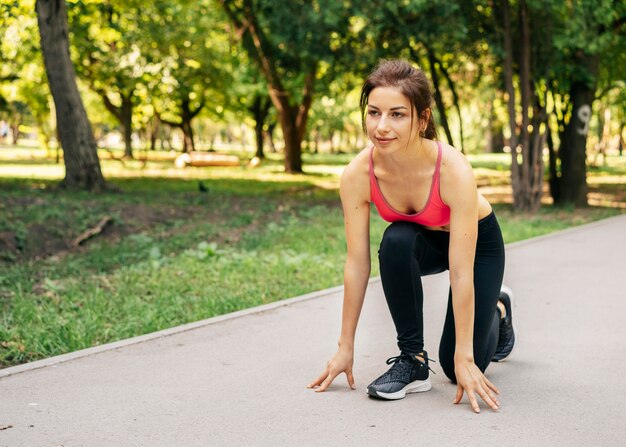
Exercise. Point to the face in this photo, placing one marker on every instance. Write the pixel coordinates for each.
(389, 118)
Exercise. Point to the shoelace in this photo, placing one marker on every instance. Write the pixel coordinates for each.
(398, 360)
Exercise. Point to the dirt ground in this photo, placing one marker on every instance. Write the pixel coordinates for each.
(56, 237)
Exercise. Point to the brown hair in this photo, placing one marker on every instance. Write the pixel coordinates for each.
(411, 82)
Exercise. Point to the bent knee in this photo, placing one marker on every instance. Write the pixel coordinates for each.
(399, 236)
(447, 364)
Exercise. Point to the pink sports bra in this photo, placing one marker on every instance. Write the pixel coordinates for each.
(434, 214)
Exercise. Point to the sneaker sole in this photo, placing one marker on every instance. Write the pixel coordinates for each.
(511, 296)
(419, 386)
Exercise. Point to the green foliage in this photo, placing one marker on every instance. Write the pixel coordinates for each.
(187, 41)
(105, 41)
(177, 57)
(22, 76)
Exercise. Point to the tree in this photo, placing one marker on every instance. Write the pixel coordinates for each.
(187, 43)
(106, 37)
(82, 166)
(527, 122)
(551, 53)
(333, 113)
(21, 70)
(414, 28)
(591, 36)
(294, 43)
(248, 96)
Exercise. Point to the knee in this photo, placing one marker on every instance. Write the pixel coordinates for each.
(399, 237)
(447, 364)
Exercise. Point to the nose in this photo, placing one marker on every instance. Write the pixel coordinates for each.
(383, 125)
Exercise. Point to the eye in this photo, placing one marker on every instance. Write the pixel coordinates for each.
(373, 112)
(397, 115)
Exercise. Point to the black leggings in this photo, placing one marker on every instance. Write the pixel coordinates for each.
(407, 252)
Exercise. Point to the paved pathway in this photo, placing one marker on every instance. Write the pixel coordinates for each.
(240, 380)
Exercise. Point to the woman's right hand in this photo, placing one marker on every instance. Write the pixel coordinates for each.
(341, 362)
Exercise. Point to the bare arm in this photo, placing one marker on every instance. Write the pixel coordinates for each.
(463, 203)
(354, 190)
(357, 267)
(460, 193)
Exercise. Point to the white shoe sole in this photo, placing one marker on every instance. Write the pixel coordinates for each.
(419, 386)
(511, 295)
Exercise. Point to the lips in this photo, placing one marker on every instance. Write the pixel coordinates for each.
(384, 140)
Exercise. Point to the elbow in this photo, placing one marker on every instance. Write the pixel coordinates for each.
(461, 278)
(357, 269)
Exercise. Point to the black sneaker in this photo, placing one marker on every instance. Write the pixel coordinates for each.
(407, 375)
(506, 339)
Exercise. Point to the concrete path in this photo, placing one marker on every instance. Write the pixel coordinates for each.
(240, 380)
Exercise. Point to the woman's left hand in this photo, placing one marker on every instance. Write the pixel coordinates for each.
(472, 381)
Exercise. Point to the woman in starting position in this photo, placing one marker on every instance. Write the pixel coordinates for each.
(439, 222)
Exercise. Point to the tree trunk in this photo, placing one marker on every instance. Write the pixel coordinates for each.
(455, 101)
(153, 131)
(553, 181)
(269, 134)
(293, 121)
(260, 109)
(127, 120)
(527, 176)
(510, 91)
(188, 141)
(524, 80)
(495, 136)
(15, 130)
(438, 99)
(124, 114)
(82, 166)
(292, 117)
(573, 186)
(187, 115)
(293, 150)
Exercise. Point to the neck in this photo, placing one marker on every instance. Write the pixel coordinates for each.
(416, 153)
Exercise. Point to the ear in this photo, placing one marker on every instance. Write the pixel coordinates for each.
(424, 119)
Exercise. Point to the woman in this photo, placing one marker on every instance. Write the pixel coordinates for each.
(439, 222)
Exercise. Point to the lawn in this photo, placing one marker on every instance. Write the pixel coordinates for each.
(184, 245)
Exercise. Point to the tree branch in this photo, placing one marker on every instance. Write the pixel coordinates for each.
(309, 84)
(115, 110)
(193, 113)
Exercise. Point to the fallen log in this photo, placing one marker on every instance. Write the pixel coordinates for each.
(206, 159)
(92, 231)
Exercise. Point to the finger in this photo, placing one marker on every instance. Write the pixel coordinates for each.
(489, 400)
(473, 401)
(488, 392)
(350, 379)
(319, 380)
(459, 394)
(492, 386)
(326, 383)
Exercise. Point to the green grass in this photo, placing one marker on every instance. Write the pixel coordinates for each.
(177, 255)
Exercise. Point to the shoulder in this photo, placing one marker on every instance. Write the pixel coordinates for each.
(355, 177)
(457, 182)
(358, 168)
(455, 167)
